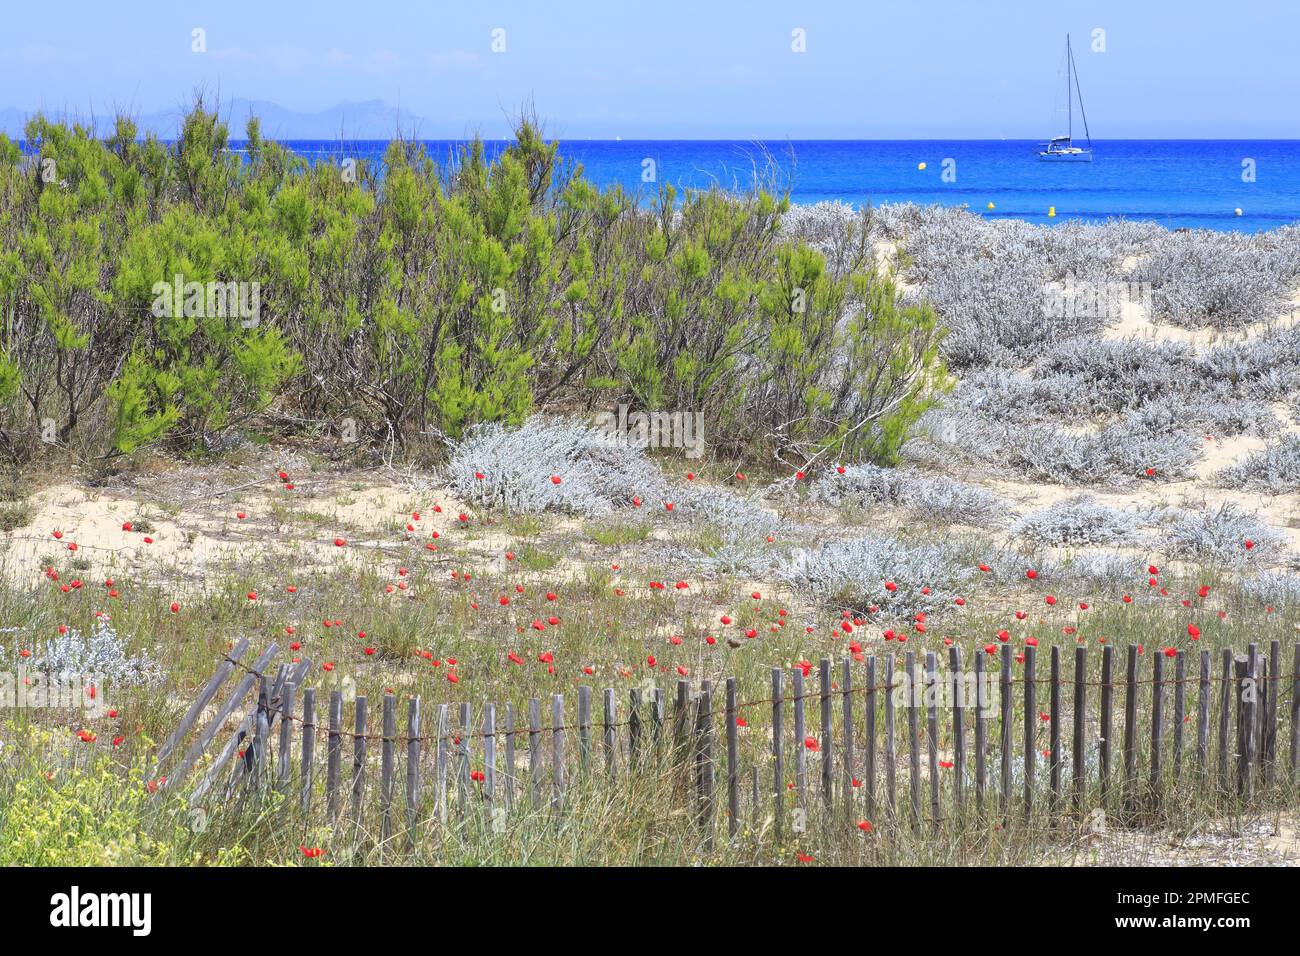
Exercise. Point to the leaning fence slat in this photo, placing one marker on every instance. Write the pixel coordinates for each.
(733, 757)
(261, 741)
(205, 696)
(308, 744)
(284, 768)
(222, 715)
(464, 733)
(778, 753)
(681, 727)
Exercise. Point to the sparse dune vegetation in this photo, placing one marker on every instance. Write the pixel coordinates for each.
(910, 432)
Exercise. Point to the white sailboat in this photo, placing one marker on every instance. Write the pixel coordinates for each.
(1062, 148)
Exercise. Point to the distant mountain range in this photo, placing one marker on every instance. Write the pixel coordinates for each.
(372, 119)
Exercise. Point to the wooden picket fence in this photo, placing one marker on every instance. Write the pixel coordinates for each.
(963, 726)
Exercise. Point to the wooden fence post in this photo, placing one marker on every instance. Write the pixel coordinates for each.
(557, 751)
(1295, 716)
(1203, 704)
(800, 746)
(611, 753)
(958, 730)
(510, 780)
(869, 759)
(490, 759)
(891, 755)
(1225, 718)
(778, 756)
(827, 743)
(1250, 698)
(1054, 731)
(982, 702)
(359, 759)
(634, 728)
(386, 768)
(1008, 719)
(704, 733)
(680, 720)
(584, 728)
(1157, 724)
(535, 750)
(464, 732)
(1130, 731)
(334, 753)
(913, 737)
(1106, 721)
(412, 761)
(1031, 727)
(733, 756)
(932, 732)
(846, 704)
(1080, 724)
(1270, 722)
(284, 769)
(1180, 712)
(440, 763)
(308, 744)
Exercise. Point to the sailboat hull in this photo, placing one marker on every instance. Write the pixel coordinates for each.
(1083, 157)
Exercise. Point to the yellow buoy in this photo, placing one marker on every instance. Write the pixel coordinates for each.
(920, 165)
(990, 205)
(1051, 212)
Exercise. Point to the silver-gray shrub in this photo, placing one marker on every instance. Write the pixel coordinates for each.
(852, 573)
(936, 498)
(596, 473)
(1219, 535)
(102, 653)
(1082, 520)
(1205, 278)
(1275, 468)
(1273, 588)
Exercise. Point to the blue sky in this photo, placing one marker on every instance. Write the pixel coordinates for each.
(664, 69)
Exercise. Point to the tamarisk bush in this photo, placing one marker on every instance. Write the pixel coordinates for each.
(425, 297)
(1227, 534)
(1081, 521)
(1275, 468)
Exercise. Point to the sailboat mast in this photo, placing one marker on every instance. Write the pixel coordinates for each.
(1080, 92)
(1069, 91)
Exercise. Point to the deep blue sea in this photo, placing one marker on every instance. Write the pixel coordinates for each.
(1196, 183)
